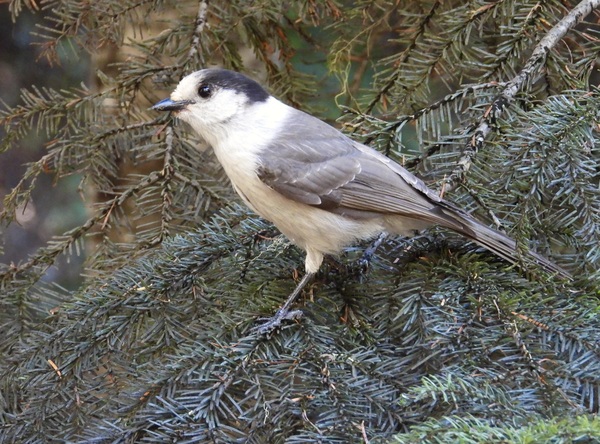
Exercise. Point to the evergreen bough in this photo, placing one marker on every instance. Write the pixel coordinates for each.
(495, 103)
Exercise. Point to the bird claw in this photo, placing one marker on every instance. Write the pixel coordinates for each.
(275, 321)
(365, 260)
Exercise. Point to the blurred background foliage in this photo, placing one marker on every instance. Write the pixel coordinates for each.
(55, 206)
(131, 278)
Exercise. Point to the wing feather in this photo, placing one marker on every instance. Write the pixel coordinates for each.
(329, 170)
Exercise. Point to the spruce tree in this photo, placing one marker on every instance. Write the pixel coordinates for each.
(495, 104)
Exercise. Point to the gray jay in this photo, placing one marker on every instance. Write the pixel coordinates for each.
(320, 188)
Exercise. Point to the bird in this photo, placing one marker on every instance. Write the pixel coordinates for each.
(323, 190)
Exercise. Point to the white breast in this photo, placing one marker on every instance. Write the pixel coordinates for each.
(316, 231)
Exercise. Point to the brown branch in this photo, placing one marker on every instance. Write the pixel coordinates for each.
(200, 23)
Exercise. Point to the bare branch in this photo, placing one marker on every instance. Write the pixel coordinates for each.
(200, 23)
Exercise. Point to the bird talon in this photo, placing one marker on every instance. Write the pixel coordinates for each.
(365, 260)
(275, 321)
(364, 263)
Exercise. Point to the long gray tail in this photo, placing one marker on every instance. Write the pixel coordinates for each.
(499, 243)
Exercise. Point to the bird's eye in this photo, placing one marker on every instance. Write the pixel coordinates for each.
(204, 91)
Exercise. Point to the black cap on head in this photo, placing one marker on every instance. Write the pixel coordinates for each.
(235, 81)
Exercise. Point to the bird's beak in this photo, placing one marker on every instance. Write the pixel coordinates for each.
(171, 105)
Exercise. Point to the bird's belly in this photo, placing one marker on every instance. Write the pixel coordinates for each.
(308, 227)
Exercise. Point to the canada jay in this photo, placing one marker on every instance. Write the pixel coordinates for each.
(321, 189)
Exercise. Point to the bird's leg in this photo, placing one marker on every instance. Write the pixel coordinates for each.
(365, 259)
(284, 312)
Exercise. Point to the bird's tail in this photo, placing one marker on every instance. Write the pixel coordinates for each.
(500, 243)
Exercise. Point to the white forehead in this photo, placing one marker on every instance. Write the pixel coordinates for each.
(188, 87)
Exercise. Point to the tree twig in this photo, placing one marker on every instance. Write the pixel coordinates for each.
(200, 23)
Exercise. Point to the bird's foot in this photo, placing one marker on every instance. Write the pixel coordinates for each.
(275, 321)
(365, 260)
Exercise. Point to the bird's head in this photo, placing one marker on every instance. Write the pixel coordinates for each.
(211, 99)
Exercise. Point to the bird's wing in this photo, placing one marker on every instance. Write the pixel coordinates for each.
(326, 169)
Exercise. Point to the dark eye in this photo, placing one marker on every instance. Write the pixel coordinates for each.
(204, 91)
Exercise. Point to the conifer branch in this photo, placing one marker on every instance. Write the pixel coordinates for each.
(437, 339)
(508, 94)
(418, 33)
(46, 256)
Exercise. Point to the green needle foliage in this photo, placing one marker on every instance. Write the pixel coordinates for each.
(495, 104)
